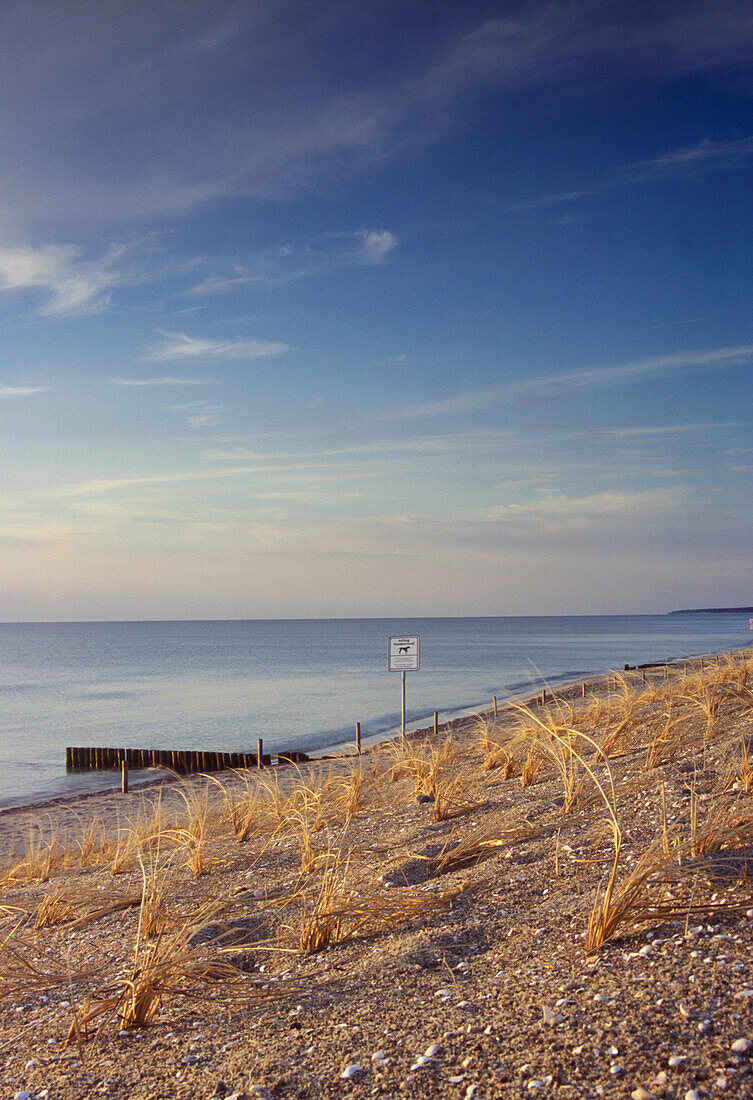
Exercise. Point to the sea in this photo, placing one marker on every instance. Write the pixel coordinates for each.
(298, 684)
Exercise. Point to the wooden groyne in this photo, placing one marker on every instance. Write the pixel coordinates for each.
(182, 761)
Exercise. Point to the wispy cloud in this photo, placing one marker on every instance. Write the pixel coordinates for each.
(167, 381)
(21, 391)
(288, 262)
(181, 346)
(705, 156)
(130, 149)
(68, 283)
(556, 386)
(565, 512)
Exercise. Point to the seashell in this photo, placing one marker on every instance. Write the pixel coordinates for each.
(691, 1094)
(433, 1050)
(644, 951)
(675, 1061)
(421, 1061)
(741, 1046)
(642, 1094)
(551, 1018)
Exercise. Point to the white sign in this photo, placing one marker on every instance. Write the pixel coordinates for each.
(404, 653)
(750, 624)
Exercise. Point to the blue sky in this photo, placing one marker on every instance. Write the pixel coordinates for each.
(362, 308)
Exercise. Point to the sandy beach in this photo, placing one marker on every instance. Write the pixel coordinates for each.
(555, 902)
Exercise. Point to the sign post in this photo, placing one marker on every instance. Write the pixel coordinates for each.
(404, 655)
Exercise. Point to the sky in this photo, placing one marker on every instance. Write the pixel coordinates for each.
(375, 307)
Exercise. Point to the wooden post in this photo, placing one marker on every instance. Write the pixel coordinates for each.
(124, 777)
(583, 689)
(436, 724)
(496, 708)
(358, 738)
(260, 753)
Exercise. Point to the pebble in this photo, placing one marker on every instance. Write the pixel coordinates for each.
(644, 951)
(470, 1091)
(705, 1025)
(691, 1094)
(445, 994)
(741, 1046)
(642, 1094)
(351, 1072)
(22, 1095)
(551, 1018)
(433, 1050)
(420, 1062)
(675, 1061)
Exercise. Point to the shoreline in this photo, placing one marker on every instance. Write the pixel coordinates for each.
(336, 751)
(36, 774)
(109, 801)
(369, 742)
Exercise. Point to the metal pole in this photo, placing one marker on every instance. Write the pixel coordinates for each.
(402, 724)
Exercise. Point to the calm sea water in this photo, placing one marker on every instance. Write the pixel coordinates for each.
(296, 683)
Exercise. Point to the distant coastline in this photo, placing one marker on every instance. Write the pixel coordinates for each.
(713, 611)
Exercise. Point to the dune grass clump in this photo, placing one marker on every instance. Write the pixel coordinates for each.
(43, 853)
(54, 908)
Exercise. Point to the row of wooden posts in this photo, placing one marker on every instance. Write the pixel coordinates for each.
(184, 761)
(189, 761)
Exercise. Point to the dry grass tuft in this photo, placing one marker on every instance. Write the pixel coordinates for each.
(54, 908)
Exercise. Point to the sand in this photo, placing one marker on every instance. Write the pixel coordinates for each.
(468, 979)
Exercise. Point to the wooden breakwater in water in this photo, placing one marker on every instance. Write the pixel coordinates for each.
(183, 761)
